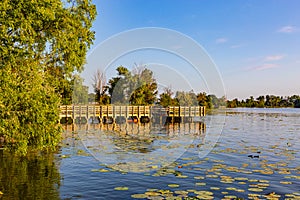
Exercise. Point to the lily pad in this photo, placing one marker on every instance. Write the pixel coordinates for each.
(230, 197)
(173, 185)
(224, 192)
(203, 192)
(205, 197)
(152, 193)
(200, 184)
(231, 188)
(241, 178)
(182, 192)
(99, 170)
(121, 188)
(286, 182)
(139, 196)
(255, 189)
(212, 176)
(182, 176)
(199, 177)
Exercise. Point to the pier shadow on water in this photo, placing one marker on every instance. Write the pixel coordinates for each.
(31, 177)
(138, 147)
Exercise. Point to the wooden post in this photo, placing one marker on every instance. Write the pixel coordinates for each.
(73, 114)
(87, 114)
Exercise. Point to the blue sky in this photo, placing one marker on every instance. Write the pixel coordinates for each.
(254, 44)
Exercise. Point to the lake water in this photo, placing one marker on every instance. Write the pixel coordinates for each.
(245, 153)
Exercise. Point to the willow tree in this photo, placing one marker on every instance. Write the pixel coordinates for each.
(42, 43)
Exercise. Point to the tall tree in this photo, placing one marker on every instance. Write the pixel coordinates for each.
(166, 99)
(251, 102)
(233, 104)
(139, 88)
(41, 43)
(186, 98)
(295, 100)
(202, 99)
(144, 89)
(80, 91)
(261, 101)
(100, 88)
(119, 86)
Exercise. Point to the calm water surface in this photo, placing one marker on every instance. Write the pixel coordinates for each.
(256, 156)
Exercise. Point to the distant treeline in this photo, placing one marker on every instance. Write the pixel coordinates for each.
(268, 101)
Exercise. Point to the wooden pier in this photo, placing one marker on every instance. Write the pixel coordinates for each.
(110, 114)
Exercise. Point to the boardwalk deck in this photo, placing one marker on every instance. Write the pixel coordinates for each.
(103, 112)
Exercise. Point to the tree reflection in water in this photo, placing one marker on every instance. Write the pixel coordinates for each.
(139, 147)
(31, 177)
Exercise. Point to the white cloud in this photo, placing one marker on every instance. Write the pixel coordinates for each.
(221, 40)
(287, 29)
(274, 57)
(265, 66)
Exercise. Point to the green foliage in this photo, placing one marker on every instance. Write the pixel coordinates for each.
(42, 43)
(186, 98)
(297, 103)
(140, 88)
(66, 91)
(123, 71)
(30, 177)
(294, 101)
(117, 90)
(28, 109)
(215, 102)
(165, 99)
(268, 101)
(144, 89)
(211, 101)
(80, 92)
(203, 99)
(260, 101)
(143, 95)
(251, 102)
(232, 104)
(136, 89)
(100, 89)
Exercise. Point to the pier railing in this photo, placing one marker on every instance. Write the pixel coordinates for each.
(113, 111)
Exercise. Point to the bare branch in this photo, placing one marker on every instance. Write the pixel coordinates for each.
(99, 82)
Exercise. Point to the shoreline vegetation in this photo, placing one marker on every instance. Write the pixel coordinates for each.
(43, 47)
(44, 51)
(267, 101)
